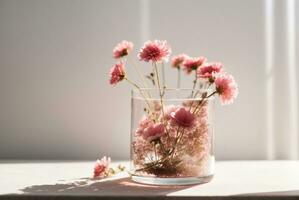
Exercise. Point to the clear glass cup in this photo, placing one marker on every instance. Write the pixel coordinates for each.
(172, 138)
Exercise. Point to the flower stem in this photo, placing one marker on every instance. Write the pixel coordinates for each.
(162, 146)
(144, 97)
(161, 96)
(178, 136)
(179, 78)
(139, 73)
(194, 84)
(200, 103)
(159, 87)
(153, 164)
(163, 76)
(161, 160)
(155, 150)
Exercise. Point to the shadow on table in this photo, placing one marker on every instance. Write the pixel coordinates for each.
(273, 193)
(122, 186)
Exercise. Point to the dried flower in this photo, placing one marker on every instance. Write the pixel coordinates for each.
(177, 61)
(117, 73)
(171, 140)
(122, 49)
(154, 51)
(192, 141)
(182, 117)
(101, 167)
(153, 132)
(168, 110)
(143, 124)
(209, 70)
(191, 64)
(226, 87)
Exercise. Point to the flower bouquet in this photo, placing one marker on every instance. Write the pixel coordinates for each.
(171, 128)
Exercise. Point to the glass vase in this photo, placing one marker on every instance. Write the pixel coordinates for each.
(172, 136)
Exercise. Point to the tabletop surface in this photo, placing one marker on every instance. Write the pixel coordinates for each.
(232, 180)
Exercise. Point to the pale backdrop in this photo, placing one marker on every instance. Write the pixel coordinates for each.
(56, 103)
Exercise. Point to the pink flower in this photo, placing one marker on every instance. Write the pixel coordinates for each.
(178, 60)
(168, 110)
(191, 64)
(182, 117)
(143, 124)
(101, 167)
(153, 132)
(117, 73)
(226, 87)
(122, 49)
(154, 51)
(209, 70)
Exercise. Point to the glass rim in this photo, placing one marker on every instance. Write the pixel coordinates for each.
(173, 89)
(137, 91)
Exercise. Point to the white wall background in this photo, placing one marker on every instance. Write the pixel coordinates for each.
(56, 103)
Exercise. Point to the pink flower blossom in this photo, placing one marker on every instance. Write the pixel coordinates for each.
(178, 60)
(182, 117)
(226, 87)
(143, 124)
(117, 73)
(122, 49)
(168, 110)
(153, 132)
(209, 70)
(191, 64)
(154, 51)
(101, 167)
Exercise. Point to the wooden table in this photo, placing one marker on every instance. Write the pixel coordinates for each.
(71, 180)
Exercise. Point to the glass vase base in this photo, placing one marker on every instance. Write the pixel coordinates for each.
(172, 181)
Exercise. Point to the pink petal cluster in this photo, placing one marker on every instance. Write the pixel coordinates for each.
(154, 51)
(226, 87)
(143, 124)
(191, 64)
(194, 141)
(122, 49)
(177, 61)
(153, 132)
(101, 167)
(209, 70)
(182, 117)
(168, 110)
(117, 73)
